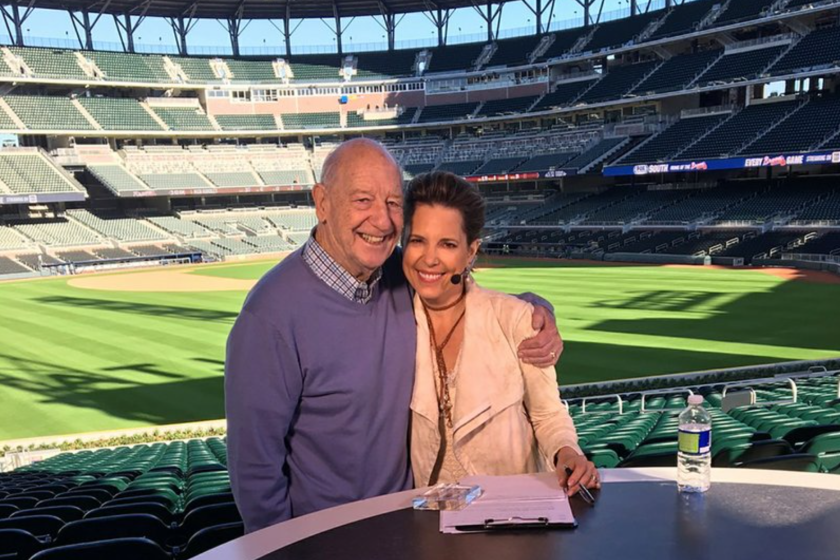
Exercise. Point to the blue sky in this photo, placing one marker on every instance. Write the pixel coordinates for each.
(54, 28)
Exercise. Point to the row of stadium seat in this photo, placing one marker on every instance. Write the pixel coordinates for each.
(654, 25)
(173, 500)
(176, 496)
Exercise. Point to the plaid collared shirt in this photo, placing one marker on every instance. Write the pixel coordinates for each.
(333, 274)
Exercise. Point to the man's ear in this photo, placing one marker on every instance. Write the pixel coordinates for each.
(319, 195)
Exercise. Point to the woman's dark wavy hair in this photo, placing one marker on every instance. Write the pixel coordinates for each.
(449, 190)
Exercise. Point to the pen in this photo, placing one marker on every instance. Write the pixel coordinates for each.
(583, 491)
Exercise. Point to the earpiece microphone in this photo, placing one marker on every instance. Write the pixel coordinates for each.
(457, 278)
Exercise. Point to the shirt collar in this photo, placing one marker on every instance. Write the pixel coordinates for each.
(335, 276)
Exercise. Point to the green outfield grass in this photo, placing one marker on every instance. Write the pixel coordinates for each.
(75, 360)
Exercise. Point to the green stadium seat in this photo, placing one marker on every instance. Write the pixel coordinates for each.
(107, 549)
(211, 537)
(17, 543)
(184, 118)
(826, 446)
(114, 113)
(130, 67)
(799, 462)
(41, 112)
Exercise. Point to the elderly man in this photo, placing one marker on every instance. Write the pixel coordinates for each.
(320, 362)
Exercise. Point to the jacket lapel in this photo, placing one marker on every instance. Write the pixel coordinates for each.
(424, 399)
(479, 396)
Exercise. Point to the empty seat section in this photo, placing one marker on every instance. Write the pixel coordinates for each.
(130, 67)
(827, 210)
(684, 18)
(9, 266)
(387, 64)
(119, 114)
(167, 181)
(514, 52)
(594, 152)
(812, 124)
(672, 139)
(737, 131)
(59, 232)
(246, 122)
(677, 72)
(562, 44)
(621, 31)
(316, 67)
(251, 70)
(562, 95)
(546, 161)
(451, 112)
(182, 228)
(743, 10)
(618, 81)
(775, 202)
(116, 178)
(454, 57)
(184, 118)
(47, 113)
(196, 69)
(464, 168)
(116, 226)
(506, 106)
(285, 177)
(499, 165)
(820, 47)
(51, 63)
(295, 121)
(6, 122)
(746, 65)
(26, 173)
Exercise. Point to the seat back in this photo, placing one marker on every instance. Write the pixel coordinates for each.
(213, 536)
(151, 508)
(799, 462)
(65, 513)
(207, 516)
(38, 525)
(139, 525)
(110, 549)
(18, 544)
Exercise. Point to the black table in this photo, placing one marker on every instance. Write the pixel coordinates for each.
(746, 514)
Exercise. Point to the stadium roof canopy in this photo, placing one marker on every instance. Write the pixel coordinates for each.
(255, 9)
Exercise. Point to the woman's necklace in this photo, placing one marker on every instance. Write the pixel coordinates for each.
(444, 399)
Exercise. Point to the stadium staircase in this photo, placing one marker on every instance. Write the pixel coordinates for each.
(713, 15)
(86, 115)
(154, 116)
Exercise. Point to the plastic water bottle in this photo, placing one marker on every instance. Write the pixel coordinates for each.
(694, 456)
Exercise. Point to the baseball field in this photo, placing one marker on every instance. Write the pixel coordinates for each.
(109, 351)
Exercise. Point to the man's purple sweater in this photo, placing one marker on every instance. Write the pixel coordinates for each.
(317, 394)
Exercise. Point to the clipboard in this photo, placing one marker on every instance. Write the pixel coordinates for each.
(517, 524)
(512, 503)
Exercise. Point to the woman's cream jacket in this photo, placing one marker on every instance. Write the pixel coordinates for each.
(507, 415)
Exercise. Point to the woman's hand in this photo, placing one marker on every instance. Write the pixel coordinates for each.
(583, 471)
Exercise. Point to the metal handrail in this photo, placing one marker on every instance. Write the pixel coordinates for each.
(599, 397)
(663, 392)
(749, 385)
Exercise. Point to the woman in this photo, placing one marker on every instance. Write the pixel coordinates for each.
(476, 408)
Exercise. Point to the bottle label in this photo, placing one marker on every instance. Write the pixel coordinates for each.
(695, 443)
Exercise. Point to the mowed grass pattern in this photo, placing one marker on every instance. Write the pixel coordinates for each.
(75, 360)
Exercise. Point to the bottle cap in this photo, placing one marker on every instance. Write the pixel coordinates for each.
(695, 399)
